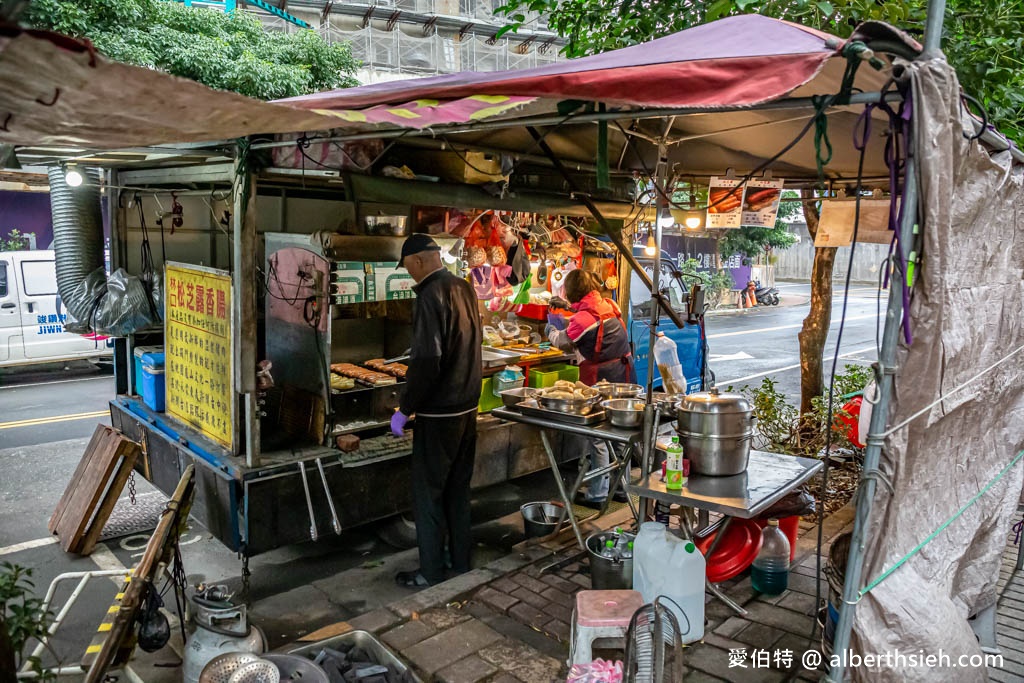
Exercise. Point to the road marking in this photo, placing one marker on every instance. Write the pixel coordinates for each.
(55, 418)
(28, 545)
(742, 355)
(720, 335)
(59, 381)
(789, 367)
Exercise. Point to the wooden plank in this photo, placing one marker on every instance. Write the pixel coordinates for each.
(82, 504)
(87, 493)
(130, 451)
(103, 630)
(83, 465)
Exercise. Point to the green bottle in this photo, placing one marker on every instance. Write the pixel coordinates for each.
(674, 465)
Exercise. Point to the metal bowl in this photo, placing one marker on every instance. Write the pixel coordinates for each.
(541, 518)
(619, 390)
(297, 668)
(571, 406)
(513, 397)
(222, 667)
(669, 402)
(625, 412)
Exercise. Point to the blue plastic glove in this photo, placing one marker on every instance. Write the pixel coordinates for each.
(556, 320)
(398, 421)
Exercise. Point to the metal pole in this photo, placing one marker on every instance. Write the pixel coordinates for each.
(244, 306)
(933, 29)
(879, 419)
(660, 174)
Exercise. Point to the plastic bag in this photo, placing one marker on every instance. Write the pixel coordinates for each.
(798, 502)
(597, 671)
(521, 292)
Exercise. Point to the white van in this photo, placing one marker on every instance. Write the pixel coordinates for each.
(32, 316)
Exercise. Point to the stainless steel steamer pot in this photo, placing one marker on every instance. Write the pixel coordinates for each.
(715, 429)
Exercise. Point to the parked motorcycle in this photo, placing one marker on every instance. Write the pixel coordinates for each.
(766, 296)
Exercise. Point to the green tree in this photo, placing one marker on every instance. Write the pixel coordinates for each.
(227, 51)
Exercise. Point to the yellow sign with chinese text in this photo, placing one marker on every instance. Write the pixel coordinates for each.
(198, 345)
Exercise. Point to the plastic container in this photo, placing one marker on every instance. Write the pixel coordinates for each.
(666, 355)
(533, 311)
(137, 365)
(488, 401)
(548, 375)
(153, 382)
(790, 526)
(665, 565)
(510, 378)
(769, 574)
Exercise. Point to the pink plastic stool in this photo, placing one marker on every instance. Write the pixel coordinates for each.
(600, 614)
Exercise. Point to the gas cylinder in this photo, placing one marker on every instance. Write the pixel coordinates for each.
(221, 627)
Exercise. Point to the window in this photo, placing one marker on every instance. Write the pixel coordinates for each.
(39, 278)
(3, 279)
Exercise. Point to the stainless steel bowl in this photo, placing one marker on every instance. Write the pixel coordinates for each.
(668, 402)
(625, 412)
(513, 397)
(619, 390)
(572, 406)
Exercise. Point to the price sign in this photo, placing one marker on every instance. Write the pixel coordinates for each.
(199, 350)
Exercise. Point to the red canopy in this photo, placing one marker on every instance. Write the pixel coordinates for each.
(737, 61)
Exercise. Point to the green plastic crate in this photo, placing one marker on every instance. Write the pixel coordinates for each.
(488, 401)
(547, 375)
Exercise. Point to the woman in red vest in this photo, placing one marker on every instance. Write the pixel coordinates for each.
(598, 335)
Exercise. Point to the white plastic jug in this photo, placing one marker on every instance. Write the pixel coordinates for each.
(664, 565)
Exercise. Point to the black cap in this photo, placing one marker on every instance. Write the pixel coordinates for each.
(417, 243)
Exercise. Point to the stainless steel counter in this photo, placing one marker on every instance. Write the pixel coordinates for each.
(768, 478)
(603, 430)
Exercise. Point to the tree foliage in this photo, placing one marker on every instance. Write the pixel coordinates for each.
(228, 51)
(749, 241)
(982, 38)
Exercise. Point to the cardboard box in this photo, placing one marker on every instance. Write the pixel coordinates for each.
(348, 282)
(385, 281)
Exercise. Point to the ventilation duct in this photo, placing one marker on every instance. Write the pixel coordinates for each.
(116, 306)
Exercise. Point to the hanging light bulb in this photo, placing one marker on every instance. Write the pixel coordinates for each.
(693, 217)
(665, 217)
(652, 248)
(72, 176)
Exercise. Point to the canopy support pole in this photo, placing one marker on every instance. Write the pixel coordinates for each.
(243, 303)
(614, 235)
(887, 367)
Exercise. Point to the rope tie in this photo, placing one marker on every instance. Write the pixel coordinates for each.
(916, 549)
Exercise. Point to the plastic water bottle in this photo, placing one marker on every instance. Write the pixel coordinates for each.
(666, 355)
(665, 565)
(674, 465)
(609, 550)
(627, 554)
(770, 572)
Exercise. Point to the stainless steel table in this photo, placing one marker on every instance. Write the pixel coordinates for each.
(769, 477)
(618, 468)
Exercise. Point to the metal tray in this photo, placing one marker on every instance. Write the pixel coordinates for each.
(532, 408)
(365, 641)
(492, 357)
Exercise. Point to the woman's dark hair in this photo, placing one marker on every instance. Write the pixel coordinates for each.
(579, 283)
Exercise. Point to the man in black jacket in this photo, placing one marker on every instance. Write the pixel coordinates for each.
(443, 390)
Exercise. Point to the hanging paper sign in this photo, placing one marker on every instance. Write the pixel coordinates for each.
(725, 203)
(761, 202)
(198, 341)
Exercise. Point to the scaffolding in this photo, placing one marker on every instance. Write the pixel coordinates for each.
(383, 45)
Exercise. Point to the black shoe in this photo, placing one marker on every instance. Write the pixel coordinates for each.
(413, 579)
(588, 502)
(620, 496)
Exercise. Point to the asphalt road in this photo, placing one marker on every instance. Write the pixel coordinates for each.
(47, 414)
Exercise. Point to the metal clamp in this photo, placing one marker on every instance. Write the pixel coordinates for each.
(330, 500)
(309, 501)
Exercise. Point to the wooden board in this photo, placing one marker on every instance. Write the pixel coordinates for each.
(92, 492)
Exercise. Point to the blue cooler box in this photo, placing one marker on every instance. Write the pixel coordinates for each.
(137, 365)
(153, 383)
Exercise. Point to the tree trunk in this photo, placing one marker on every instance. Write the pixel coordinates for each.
(815, 329)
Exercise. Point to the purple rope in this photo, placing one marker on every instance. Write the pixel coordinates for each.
(1017, 528)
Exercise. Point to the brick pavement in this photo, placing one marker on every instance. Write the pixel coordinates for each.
(509, 622)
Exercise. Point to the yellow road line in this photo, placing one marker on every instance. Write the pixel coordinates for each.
(56, 418)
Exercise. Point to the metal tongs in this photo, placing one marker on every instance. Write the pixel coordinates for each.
(399, 359)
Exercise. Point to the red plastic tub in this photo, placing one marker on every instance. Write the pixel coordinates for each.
(532, 311)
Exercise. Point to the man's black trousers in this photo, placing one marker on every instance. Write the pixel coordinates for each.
(443, 451)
